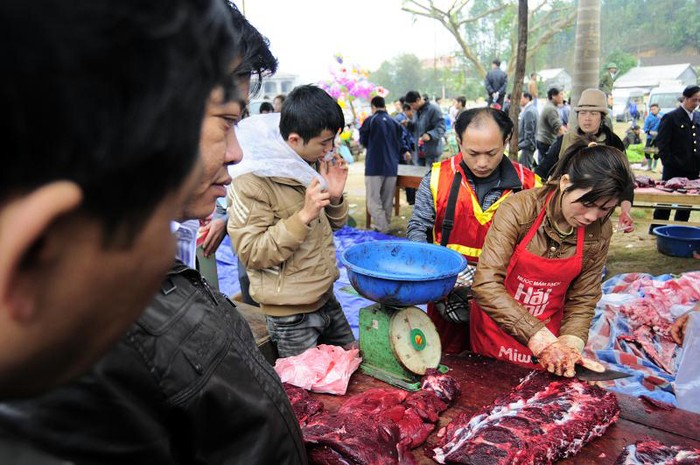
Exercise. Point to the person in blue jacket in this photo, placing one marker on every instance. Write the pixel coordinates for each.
(651, 129)
(384, 139)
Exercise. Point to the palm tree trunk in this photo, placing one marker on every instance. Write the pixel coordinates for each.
(586, 50)
(519, 75)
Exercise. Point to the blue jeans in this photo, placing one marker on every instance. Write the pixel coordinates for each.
(294, 334)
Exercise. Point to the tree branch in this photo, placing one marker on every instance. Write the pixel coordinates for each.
(484, 14)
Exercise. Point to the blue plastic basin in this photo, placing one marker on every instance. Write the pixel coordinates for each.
(401, 273)
(677, 241)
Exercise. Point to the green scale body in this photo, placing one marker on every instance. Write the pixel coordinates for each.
(398, 344)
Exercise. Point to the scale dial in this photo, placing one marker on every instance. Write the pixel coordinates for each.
(414, 340)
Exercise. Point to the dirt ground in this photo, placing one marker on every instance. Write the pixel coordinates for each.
(633, 252)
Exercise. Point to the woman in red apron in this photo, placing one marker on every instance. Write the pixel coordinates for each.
(538, 279)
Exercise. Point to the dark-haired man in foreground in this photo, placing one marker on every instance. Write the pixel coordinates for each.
(187, 383)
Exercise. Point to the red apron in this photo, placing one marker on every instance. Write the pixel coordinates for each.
(537, 283)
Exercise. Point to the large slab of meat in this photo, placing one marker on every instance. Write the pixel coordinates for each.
(303, 404)
(542, 420)
(651, 452)
(375, 427)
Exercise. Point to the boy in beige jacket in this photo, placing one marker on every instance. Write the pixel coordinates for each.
(285, 202)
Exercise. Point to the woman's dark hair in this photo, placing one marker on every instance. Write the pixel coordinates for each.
(479, 115)
(590, 165)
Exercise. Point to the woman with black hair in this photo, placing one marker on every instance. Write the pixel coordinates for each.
(591, 114)
(538, 278)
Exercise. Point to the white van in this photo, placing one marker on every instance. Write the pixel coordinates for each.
(666, 97)
(621, 103)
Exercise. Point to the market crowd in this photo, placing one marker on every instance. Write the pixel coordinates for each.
(116, 345)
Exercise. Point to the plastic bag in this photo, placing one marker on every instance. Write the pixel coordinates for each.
(325, 369)
(687, 385)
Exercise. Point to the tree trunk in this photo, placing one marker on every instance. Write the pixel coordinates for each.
(586, 52)
(519, 75)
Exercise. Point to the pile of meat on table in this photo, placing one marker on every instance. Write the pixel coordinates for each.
(651, 452)
(377, 427)
(650, 314)
(680, 185)
(542, 420)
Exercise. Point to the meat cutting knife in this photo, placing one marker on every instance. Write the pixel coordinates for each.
(586, 374)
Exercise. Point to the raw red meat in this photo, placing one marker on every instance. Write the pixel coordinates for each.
(378, 426)
(542, 420)
(644, 181)
(426, 404)
(445, 386)
(303, 404)
(373, 401)
(414, 418)
(682, 183)
(352, 439)
(652, 452)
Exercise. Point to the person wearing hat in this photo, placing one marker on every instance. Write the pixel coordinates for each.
(633, 142)
(608, 79)
(679, 146)
(590, 112)
(632, 136)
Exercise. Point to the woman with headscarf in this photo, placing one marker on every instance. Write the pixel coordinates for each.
(591, 113)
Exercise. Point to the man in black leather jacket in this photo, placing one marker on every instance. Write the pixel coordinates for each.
(125, 84)
(187, 383)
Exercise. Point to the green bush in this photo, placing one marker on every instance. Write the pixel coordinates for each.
(635, 153)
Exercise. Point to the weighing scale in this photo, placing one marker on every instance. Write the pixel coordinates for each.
(398, 344)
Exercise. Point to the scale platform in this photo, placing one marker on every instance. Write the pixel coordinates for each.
(398, 345)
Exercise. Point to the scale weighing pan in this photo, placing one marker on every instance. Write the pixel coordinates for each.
(397, 340)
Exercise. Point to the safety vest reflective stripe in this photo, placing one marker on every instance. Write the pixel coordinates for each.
(434, 180)
(469, 251)
(484, 217)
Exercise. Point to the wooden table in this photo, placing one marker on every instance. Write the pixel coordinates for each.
(408, 176)
(258, 325)
(483, 380)
(651, 197)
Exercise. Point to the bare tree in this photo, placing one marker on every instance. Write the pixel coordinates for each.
(455, 17)
(521, 61)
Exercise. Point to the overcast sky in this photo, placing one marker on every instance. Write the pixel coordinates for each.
(305, 34)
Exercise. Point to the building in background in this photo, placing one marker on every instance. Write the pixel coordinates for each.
(555, 77)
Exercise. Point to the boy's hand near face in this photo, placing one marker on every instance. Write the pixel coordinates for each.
(335, 172)
(315, 200)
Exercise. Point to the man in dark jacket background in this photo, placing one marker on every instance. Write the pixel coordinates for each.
(383, 138)
(679, 146)
(495, 83)
(527, 130)
(428, 127)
